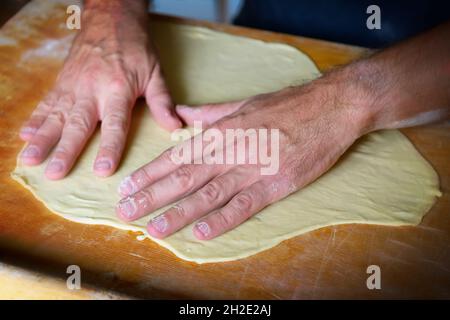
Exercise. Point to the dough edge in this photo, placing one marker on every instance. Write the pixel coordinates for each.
(427, 205)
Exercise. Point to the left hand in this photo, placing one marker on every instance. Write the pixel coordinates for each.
(111, 63)
(316, 125)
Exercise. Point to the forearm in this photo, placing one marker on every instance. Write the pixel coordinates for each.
(406, 85)
(117, 9)
(117, 31)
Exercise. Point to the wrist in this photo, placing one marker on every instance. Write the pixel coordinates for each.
(115, 7)
(126, 19)
(359, 91)
(115, 26)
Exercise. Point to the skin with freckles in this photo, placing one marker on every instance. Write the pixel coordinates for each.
(112, 62)
(317, 123)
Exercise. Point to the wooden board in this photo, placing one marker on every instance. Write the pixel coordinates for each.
(327, 263)
(24, 284)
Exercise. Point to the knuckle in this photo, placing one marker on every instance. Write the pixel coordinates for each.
(173, 155)
(183, 177)
(44, 107)
(58, 116)
(116, 122)
(148, 195)
(243, 203)
(118, 84)
(224, 220)
(36, 118)
(65, 100)
(79, 123)
(143, 176)
(179, 212)
(42, 139)
(212, 192)
(167, 154)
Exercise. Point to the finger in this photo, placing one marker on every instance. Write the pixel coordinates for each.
(164, 164)
(48, 134)
(114, 129)
(38, 117)
(181, 182)
(213, 195)
(160, 102)
(208, 113)
(244, 205)
(79, 127)
(148, 174)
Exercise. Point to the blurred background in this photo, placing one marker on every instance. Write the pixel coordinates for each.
(337, 21)
(213, 10)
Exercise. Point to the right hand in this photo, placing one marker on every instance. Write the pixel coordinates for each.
(112, 62)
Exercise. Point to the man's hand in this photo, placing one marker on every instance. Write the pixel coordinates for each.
(315, 128)
(112, 62)
(402, 86)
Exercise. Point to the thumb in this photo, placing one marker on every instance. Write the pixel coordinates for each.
(160, 102)
(208, 113)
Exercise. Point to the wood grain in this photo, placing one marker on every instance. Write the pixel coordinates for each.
(327, 263)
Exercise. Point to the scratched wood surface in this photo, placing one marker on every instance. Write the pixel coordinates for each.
(327, 263)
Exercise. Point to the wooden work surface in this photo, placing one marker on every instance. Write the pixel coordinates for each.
(327, 263)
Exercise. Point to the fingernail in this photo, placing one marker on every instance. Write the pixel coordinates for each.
(30, 152)
(204, 229)
(127, 186)
(160, 223)
(127, 207)
(55, 166)
(103, 164)
(28, 130)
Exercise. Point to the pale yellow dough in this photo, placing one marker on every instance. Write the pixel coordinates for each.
(381, 180)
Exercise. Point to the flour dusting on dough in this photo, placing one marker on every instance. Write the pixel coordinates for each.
(381, 180)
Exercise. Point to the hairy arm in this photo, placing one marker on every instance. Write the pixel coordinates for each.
(406, 85)
(403, 86)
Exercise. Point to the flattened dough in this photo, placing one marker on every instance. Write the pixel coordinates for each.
(381, 180)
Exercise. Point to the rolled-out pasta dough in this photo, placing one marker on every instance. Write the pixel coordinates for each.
(382, 179)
